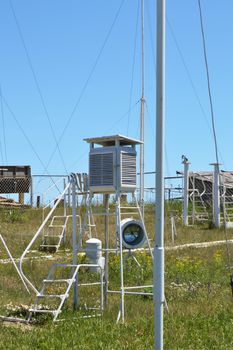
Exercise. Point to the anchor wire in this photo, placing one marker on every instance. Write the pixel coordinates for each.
(215, 139)
(37, 85)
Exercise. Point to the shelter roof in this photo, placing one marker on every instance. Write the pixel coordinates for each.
(111, 140)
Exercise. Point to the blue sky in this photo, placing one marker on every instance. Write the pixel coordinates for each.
(74, 63)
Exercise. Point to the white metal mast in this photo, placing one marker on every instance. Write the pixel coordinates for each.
(142, 115)
(159, 234)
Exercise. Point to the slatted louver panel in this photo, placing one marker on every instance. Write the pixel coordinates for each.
(107, 168)
(128, 169)
(101, 169)
(95, 169)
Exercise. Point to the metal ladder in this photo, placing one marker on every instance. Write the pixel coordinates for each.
(60, 298)
(52, 240)
(199, 211)
(121, 211)
(55, 234)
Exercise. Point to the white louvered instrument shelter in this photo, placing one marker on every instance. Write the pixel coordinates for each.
(112, 164)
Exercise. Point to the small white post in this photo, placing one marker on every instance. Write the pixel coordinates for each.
(74, 219)
(216, 196)
(173, 228)
(193, 201)
(64, 198)
(64, 208)
(185, 191)
(69, 194)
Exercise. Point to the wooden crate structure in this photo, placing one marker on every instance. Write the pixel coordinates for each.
(15, 179)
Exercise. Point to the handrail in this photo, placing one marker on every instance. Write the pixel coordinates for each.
(36, 236)
(44, 194)
(13, 262)
(52, 202)
(47, 206)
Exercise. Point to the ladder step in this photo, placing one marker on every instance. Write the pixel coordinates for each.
(52, 235)
(52, 296)
(129, 212)
(129, 208)
(43, 311)
(57, 281)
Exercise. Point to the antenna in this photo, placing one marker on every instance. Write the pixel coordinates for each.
(142, 117)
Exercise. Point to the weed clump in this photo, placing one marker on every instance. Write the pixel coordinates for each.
(14, 216)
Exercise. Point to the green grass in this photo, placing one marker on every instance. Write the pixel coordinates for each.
(197, 291)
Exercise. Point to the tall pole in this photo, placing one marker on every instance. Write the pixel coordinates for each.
(142, 116)
(159, 236)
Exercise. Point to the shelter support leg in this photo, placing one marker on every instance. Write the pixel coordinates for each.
(106, 229)
(121, 314)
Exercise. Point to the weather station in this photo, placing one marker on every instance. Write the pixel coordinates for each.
(113, 171)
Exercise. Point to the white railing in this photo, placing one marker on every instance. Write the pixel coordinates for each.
(37, 234)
